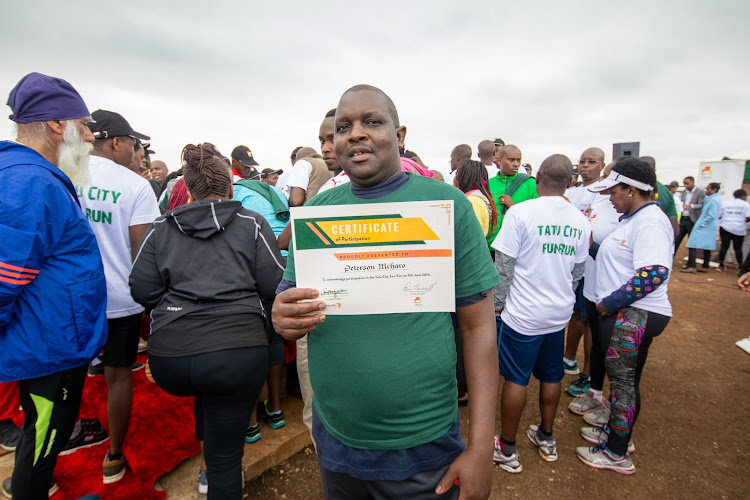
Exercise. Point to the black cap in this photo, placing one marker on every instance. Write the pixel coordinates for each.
(498, 142)
(243, 155)
(269, 171)
(108, 124)
(146, 150)
(253, 174)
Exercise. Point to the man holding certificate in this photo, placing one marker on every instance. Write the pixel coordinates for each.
(369, 285)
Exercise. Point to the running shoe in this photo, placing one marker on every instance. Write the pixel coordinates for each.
(580, 386)
(275, 419)
(598, 416)
(137, 366)
(599, 435)
(95, 370)
(10, 435)
(7, 492)
(113, 470)
(202, 482)
(92, 433)
(510, 463)
(571, 368)
(253, 433)
(142, 346)
(599, 457)
(547, 448)
(584, 403)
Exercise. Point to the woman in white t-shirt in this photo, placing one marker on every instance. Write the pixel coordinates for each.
(632, 268)
(735, 215)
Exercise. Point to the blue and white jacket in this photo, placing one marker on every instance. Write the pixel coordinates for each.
(52, 291)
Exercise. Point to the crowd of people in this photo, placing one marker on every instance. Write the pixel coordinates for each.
(107, 238)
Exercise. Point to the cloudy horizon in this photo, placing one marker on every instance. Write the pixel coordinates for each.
(551, 77)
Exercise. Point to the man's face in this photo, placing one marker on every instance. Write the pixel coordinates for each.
(510, 161)
(271, 179)
(496, 155)
(455, 161)
(73, 152)
(366, 139)
(689, 184)
(136, 164)
(590, 166)
(325, 136)
(158, 171)
(123, 149)
(673, 189)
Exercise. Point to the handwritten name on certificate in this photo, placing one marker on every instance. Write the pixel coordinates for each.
(377, 259)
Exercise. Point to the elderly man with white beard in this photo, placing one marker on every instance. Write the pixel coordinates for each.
(52, 287)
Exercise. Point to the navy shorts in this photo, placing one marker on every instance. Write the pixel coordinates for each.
(580, 304)
(521, 355)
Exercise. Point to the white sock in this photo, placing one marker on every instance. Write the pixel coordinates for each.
(568, 361)
(597, 395)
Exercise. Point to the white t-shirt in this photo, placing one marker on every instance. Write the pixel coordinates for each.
(115, 199)
(299, 176)
(582, 198)
(281, 182)
(547, 236)
(336, 180)
(603, 219)
(734, 214)
(677, 202)
(643, 239)
(491, 170)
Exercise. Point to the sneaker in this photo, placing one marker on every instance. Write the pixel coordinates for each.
(600, 435)
(571, 368)
(701, 269)
(580, 386)
(275, 419)
(547, 449)
(92, 433)
(10, 435)
(95, 370)
(142, 346)
(7, 491)
(598, 417)
(510, 463)
(253, 433)
(113, 470)
(202, 482)
(584, 403)
(599, 457)
(137, 366)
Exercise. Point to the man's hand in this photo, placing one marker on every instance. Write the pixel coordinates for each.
(686, 206)
(474, 474)
(293, 319)
(744, 282)
(602, 310)
(506, 200)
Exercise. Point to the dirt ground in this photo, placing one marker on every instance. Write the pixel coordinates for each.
(692, 437)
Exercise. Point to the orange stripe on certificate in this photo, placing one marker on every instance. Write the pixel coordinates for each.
(317, 233)
(16, 268)
(394, 254)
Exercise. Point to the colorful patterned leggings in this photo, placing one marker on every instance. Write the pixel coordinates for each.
(627, 336)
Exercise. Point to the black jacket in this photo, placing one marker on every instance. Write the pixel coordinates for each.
(207, 254)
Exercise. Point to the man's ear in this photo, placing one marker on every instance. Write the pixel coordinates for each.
(57, 127)
(401, 136)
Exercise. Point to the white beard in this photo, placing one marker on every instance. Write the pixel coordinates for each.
(73, 155)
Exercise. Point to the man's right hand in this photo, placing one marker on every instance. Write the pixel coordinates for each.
(293, 319)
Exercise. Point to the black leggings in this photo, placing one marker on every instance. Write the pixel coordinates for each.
(622, 344)
(736, 241)
(225, 384)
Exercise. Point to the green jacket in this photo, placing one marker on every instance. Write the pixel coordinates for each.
(498, 186)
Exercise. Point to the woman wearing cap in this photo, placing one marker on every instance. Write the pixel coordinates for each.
(205, 267)
(632, 268)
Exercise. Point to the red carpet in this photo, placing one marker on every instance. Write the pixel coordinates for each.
(161, 435)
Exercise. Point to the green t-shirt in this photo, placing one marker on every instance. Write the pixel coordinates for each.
(498, 186)
(388, 381)
(665, 199)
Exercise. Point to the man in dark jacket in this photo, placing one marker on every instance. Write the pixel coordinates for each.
(52, 289)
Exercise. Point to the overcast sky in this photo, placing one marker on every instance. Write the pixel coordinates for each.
(549, 76)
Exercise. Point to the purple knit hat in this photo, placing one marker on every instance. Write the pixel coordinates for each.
(40, 98)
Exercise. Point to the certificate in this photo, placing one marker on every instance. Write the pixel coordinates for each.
(379, 258)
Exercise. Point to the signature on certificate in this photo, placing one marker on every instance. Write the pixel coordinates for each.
(333, 294)
(419, 287)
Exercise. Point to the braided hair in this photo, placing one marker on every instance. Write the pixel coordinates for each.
(472, 175)
(205, 174)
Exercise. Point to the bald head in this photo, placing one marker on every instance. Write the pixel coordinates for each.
(459, 154)
(650, 160)
(485, 150)
(388, 101)
(159, 171)
(305, 152)
(590, 165)
(510, 160)
(554, 175)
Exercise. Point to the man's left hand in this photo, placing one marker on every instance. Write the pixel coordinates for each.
(602, 310)
(507, 201)
(474, 474)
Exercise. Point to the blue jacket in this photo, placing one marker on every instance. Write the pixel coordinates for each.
(703, 235)
(52, 291)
